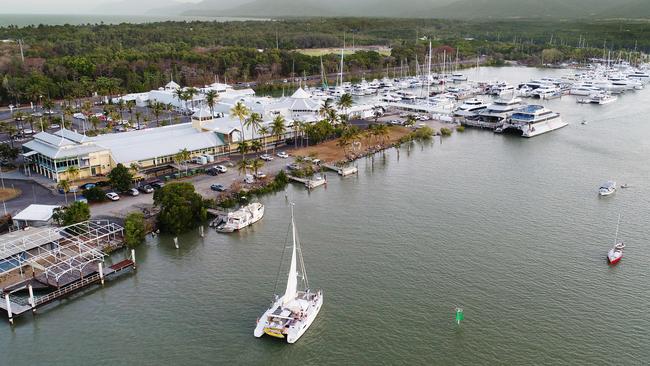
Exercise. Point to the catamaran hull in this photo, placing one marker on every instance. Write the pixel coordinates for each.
(293, 334)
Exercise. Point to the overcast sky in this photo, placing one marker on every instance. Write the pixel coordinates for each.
(61, 6)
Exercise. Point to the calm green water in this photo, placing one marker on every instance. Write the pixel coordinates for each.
(510, 229)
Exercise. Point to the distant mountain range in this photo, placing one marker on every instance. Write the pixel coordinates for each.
(455, 9)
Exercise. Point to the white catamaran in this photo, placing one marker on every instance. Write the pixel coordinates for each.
(291, 314)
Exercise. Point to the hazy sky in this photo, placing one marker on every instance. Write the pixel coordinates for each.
(62, 6)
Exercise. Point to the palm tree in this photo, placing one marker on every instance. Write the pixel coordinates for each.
(11, 131)
(264, 131)
(121, 106)
(243, 148)
(278, 129)
(130, 105)
(410, 120)
(68, 111)
(72, 172)
(256, 146)
(254, 122)
(242, 166)
(296, 125)
(326, 109)
(190, 93)
(180, 94)
(64, 185)
(211, 98)
(157, 109)
(241, 112)
(345, 102)
(377, 113)
(94, 121)
(256, 165)
(138, 116)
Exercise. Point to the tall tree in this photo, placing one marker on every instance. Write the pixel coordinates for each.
(278, 129)
(240, 111)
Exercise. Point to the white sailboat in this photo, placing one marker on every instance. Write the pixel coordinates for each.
(291, 314)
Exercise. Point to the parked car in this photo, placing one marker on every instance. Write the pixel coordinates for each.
(249, 179)
(218, 187)
(282, 155)
(146, 189)
(133, 192)
(102, 183)
(221, 168)
(81, 199)
(266, 157)
(316, 161)
(112, 196)
(157, 184)
(259, 175)
(83, 187)
(293, 166)
(212, 171)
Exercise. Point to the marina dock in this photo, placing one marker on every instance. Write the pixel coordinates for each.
(56, 262)
(309, 183)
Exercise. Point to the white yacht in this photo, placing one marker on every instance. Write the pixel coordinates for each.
(546, 92)
(390, 98)
(583, 90)
(291, 314)
(534, 120)
(471, 108)
(607, 188)
(502, 89)
(598, 98)
(499, 111)
(458, 77)
(240, 219)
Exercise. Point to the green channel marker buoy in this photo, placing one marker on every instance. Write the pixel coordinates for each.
(459, 315)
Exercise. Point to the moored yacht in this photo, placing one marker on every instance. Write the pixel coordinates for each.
(497, 112)
(240, 219)
(471, 108)
(534, 120)
(598, 98)
(607, 188)
(291, 314)
(616, 253)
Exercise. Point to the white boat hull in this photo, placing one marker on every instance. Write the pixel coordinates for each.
(537, 129)
(294, 332)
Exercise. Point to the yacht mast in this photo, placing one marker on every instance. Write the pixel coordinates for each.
(617, 224)
(429, 75)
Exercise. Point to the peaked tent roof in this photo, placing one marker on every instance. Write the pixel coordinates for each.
(301, 94)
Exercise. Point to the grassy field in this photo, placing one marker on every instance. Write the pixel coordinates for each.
(384, 51)
(8, 193)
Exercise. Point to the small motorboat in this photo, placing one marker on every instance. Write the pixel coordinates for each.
(616, 253)
(607, 188)
(584, 122)
(625, 185)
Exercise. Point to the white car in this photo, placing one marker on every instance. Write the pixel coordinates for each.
(112, 196)
(249, 179)
(282, 155)
(259, 175)
(221, 168)
(266, 157)
(133, 192)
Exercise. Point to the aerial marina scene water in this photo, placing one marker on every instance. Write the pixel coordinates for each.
(442, 210)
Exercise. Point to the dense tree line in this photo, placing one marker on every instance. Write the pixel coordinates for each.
(67, 62)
